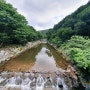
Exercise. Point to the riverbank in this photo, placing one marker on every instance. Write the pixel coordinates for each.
(64, 55)
(12, 51)
(83, 78)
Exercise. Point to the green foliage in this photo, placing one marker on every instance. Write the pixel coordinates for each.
(60, 36)
(64, 33)
(78, 23)
(19, 36)
(4, 38)
(81, 57)
(13, 26)
(78, 49)
(56, 41)
(49, 34)
(43, 33)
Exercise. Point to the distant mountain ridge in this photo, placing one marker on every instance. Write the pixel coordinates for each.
(44, 31)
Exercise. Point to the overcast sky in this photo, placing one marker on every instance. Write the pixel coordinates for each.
(44, 14)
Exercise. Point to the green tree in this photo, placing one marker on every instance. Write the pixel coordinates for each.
(14, 27)
(64, 33)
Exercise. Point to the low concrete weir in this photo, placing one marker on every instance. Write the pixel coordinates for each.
(31, 81)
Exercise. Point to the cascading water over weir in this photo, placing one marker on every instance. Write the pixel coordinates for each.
(31, 81)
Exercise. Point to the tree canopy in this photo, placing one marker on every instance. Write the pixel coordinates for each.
(14, 28)
(78, 23)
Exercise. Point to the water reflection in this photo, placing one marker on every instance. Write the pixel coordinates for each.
(40, 58)
(44, 62)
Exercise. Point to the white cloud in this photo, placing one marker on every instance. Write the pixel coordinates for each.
(43, 14)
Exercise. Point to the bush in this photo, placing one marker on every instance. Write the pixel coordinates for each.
(78, 49)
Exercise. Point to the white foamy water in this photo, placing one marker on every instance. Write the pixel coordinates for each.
(28, 81)
(40, 83)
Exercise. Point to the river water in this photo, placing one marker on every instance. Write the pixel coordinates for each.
(42, 58)
(40, 68)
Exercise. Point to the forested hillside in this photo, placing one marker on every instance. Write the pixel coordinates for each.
(43, 33)
(78, 23)
(14, 28)
(72, 36)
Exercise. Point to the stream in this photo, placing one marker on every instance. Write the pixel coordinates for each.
(39, 68)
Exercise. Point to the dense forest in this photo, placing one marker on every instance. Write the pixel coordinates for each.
(72, 36)
(14, 28)
(78, 23)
